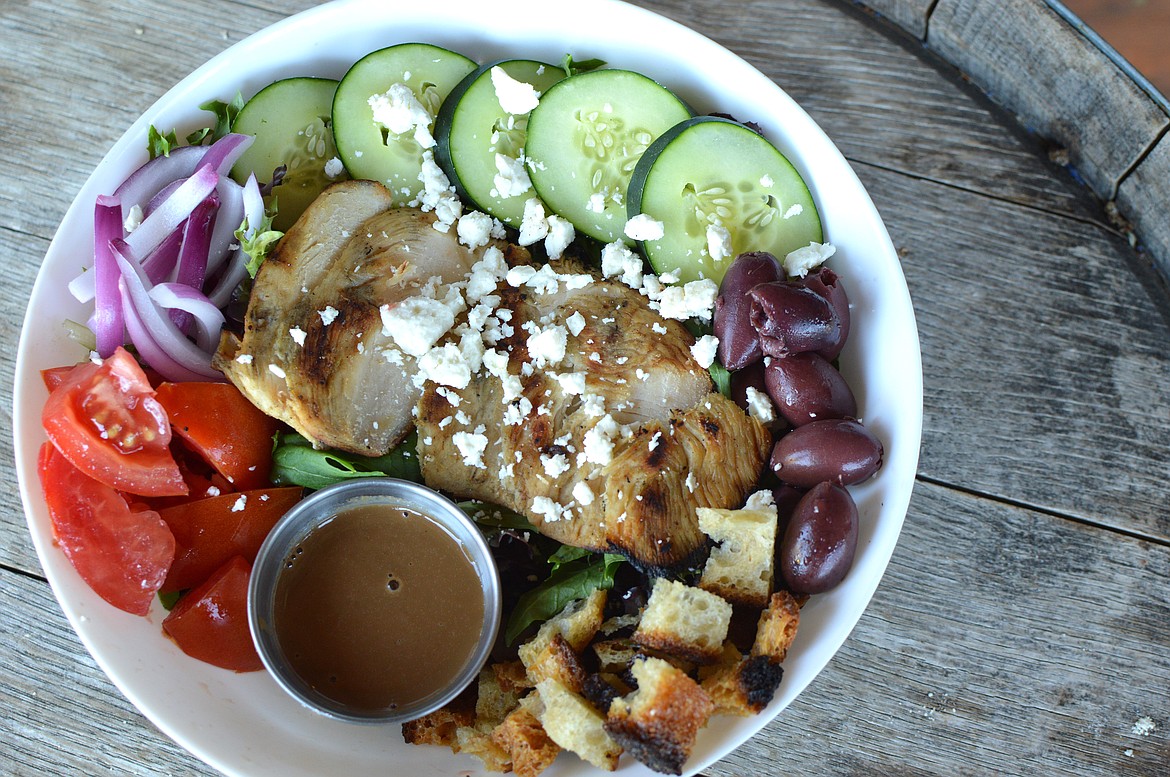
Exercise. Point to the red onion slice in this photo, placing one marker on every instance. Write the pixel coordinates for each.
(208, 320)
(159, 342)
(149, 179)
(172, 212)
(192, 265)
(227, 221)
(237, 269)
(224, 153)
(106, 323)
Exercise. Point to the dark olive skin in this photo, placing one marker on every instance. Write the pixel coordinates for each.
(792, 318)
(806, 387)
(840, 450)
(828, 284)
(739, 344)
(820, 541)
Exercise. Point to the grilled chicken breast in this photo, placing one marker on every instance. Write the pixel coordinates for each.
(314, 353)
(613, 446)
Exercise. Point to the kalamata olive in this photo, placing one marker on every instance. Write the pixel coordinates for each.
(838, 450)
(792, 318)
(806, 387)
(828, 284)
(739, 344)
(820, 541)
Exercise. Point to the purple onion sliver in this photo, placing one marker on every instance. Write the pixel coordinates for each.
(227, 221)
(208, 319)
(160, 197)
(192, 265)
(160, 264)
(151, 177)
(107, 324)
(173, 211)
(223, 153)
(158, 340)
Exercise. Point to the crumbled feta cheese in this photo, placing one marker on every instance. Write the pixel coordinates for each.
(547, 347)
(392, 356)
(692, 300)
(298, 335)
(240, 504)
(516, 97)
(718, 242)
(560, 235)
(438, 194)
(511, 178)
(798, 263)
(599, 441)
(471, 446)
(533, 224)
(276, 370)
(759, 405)
(618, 259)
(572, 383)
(446, 366)
(416, 323)
(691, 482)
(793, 211)
(582, 493)
(474, 229)
(655, 441)
(328, 315)
(554, 465)
(643, 227)
(575, 323)
(551, 511)
(761, 500)
(334, 168)
(658, 328)
(593, 405)
(399, 111)
(244, 358)
(704, 350)
(133, 219)
(518, 276)
(766, 181)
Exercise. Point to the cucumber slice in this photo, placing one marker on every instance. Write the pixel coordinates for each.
(585, 138)
(473, 129)
(366, 147)
(291, 121)
(713, 172)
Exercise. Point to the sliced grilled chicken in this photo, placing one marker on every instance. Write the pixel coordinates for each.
(613, 446)
(314, 353)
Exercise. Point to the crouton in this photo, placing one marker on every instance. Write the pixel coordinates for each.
(474, 741)
(740, 685)
(523, 738)
(576, 726)
(659, 721)
(439, 727)
(777, 627)
(740, 567)
(684, 621)
(576, 625)
(614, 655)
(513, 677)
(557, 661)
(494, 701)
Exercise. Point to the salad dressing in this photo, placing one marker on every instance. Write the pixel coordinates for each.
(378, 607)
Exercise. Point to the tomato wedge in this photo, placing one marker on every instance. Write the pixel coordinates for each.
(210, 623)
(211, 531)
(224, 427)
(123, 554)
(107, 423)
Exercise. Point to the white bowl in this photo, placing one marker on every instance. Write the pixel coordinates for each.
(244, 724)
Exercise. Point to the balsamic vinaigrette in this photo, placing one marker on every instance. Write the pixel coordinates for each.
(378, 607)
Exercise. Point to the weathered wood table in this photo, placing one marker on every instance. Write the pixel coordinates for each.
(1023, 626)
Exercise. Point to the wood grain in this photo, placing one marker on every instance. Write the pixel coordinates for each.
(1021, 628)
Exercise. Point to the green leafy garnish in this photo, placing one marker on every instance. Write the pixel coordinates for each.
(721, 378)
(572, 67)
(575, 575)
(169, 599)
(492, 516)
(256, 243)
(225, 117)
(158, 144)
(296, 462)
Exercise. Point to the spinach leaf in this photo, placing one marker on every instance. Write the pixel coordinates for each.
(570, 580)
(296, 462)
(158, 144)
(495, 517)
(225, 116)
(572, 66)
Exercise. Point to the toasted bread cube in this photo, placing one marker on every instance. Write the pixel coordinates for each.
(530, 749)
(658, 722)
(741, 566)
(439, 727)
(513, 677)
(777, 627)
(494, 701)
(740, 685)
(576, 625)
(684, 621)
(614, 655)
(576, 726)
(479, 743)
(557, 661)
